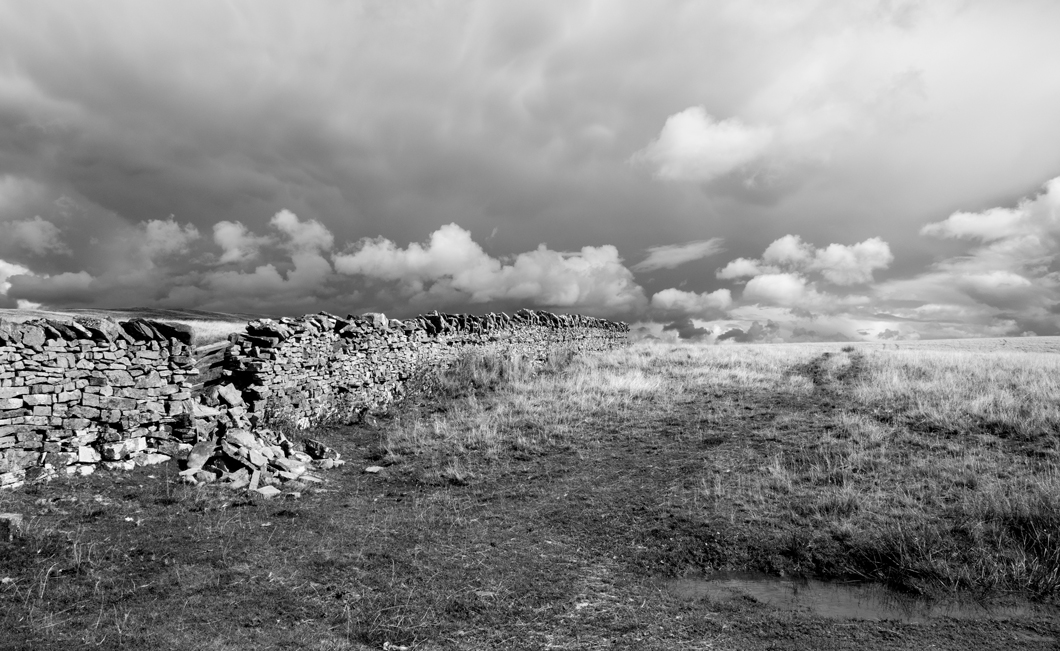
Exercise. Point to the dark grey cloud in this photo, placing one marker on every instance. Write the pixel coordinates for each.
(756, 332)
(687, 329)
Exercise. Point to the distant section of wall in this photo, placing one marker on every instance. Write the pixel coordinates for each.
(86, 392)
(299, 368)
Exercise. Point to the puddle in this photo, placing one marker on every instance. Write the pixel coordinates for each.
(842, 600)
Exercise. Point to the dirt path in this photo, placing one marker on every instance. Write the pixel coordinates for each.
(606, 524)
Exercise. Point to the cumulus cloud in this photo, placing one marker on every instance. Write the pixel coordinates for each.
(756, 332)
(237, 243)
(158, 237)
(791, 270)
(165, 263)
(674, 302)
(788, 250)
(453, 266)
(687, 329)
(694, 146)
(302, 236)
(787, 259)
(308, 274)
(778, 289)
(852, 265)
(987, 226)
(1004, 283)
(674, 255)
(7, 270)
(39, 236)
(744, 268)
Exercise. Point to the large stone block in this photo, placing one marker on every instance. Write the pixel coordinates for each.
(32, 335)
(12, 392)
(87, 454)
(119, 378)
(178, 331)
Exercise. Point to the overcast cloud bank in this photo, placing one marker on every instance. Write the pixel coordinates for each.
(823, 169)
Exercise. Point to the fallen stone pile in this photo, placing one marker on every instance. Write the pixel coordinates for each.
(257, 461)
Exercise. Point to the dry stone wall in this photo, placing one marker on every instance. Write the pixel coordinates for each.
(300, 369)
(84, 393)
(87, 392)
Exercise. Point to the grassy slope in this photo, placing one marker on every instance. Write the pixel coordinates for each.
(534, 510)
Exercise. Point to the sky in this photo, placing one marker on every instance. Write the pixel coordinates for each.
(720, 171)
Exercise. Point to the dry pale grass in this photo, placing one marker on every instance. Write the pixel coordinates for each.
(1009, 393)
(929, 469)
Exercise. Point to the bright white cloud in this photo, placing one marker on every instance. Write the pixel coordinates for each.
(450, 251)
(452, 264)
(744, 268)
(237, 242)
(785, 289)
(837, 263)
(1035, 216)
(165, 238)
(987, 226)
(694, 146)
(788, 250)
(307, 235)
(670, 302)
(852, 265)
(674, 255)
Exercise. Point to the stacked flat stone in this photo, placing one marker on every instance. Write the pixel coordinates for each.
(84, 392)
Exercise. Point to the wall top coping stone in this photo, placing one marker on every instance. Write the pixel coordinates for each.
(35, 332)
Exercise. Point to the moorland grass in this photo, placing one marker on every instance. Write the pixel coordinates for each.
(530, 505)
(932, 471)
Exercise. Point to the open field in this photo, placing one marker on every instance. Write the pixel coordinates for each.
(984, 345)
(548, 508)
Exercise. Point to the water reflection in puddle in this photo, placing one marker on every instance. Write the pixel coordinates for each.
(837, 600)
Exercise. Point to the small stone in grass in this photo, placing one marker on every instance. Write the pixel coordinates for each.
(374, 469)
(268, 491)
(10, 526)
